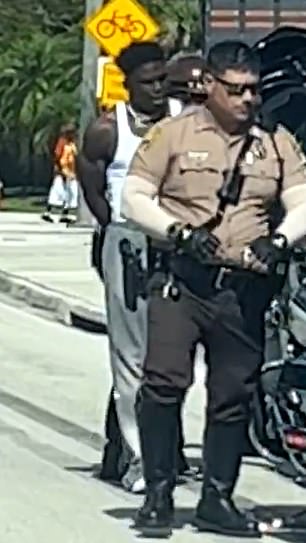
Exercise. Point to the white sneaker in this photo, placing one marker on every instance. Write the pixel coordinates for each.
(133, 480)
(139, 486)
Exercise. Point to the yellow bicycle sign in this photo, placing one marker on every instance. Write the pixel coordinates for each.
(120, 23)
(107, 28)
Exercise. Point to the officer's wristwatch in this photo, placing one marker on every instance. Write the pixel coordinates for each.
(280, 241)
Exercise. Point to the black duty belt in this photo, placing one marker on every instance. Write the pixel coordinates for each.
(203, 280)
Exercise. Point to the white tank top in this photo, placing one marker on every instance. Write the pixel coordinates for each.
(126, 148)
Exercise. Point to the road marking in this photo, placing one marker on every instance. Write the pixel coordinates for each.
(39, 241)
(54, 274)
(44, 435)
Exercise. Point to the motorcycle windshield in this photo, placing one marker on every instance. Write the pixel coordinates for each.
(286, 108)
(287, 69)
(285, 105)
(283, 58)
(284, 42)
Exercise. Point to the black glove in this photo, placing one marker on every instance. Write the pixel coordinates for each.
(198, 242)
(270, 250)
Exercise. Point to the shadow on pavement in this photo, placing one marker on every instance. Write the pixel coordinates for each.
(88, 325)
(183, 515)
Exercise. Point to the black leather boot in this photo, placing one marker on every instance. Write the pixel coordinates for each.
(113, 450)
(158, 436)
(183, 467)
(216, 511)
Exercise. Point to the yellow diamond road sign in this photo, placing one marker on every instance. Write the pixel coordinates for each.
(120, 23)
(110, 83)
(113, 89)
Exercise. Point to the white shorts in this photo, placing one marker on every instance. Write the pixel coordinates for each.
(63, 194)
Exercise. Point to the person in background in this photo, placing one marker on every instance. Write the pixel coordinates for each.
(63, 193)
(185, 80)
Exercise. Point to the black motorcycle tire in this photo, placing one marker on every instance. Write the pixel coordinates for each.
(266, 448)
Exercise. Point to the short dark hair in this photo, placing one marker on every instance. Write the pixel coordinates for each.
(232, 55)
(138, 54)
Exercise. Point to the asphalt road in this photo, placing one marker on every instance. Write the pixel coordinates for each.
(53, 391)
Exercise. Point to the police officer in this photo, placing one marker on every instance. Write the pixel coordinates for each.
(219, 277)
(186, 90)
(109, 145)
(184, 79)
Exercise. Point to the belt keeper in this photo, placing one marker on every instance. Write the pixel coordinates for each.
(222, 272)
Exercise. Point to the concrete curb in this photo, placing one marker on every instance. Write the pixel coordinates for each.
(24, 230)
(65, 309)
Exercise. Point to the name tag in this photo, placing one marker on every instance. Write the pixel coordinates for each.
(249, 158)
(198, 155)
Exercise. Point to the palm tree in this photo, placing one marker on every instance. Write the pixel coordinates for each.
(180, 23)
(39, 86)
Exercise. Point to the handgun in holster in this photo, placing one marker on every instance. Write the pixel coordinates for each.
(134, 274)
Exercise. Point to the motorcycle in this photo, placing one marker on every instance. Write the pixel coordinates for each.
(277, 429)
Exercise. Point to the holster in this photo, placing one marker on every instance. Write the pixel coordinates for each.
(134, 274)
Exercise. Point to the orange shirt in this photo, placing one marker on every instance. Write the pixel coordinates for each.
(67, 160)
(58, 150)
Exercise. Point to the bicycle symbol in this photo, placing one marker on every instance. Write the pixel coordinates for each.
(125, 23)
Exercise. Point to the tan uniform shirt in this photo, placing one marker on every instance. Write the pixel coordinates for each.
(184, 159)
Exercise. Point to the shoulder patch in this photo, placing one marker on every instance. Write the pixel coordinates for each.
(150, 137)
(154, 133)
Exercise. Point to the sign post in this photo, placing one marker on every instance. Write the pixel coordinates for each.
(88, 101)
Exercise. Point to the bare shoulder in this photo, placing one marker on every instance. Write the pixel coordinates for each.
(100, 137)
(103, 124)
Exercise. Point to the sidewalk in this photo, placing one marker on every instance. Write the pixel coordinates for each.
(47, 266)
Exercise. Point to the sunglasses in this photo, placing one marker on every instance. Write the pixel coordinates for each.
(238, 89)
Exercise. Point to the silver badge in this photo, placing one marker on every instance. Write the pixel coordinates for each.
(260, 150)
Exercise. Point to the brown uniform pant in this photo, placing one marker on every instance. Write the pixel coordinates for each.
(229, 322)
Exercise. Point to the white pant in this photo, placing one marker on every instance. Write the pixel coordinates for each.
(63, 194)
(127, 332)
